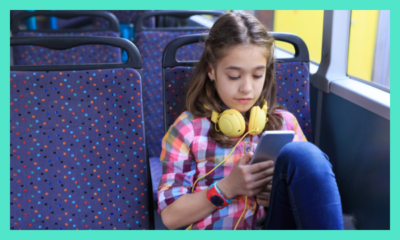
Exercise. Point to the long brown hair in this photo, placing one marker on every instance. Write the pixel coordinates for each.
(231, 30)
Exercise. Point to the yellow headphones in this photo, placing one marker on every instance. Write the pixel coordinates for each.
(232, 124)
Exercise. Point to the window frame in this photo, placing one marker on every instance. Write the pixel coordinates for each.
(332, 76)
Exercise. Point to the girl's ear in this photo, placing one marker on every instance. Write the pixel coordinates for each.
(211, 72)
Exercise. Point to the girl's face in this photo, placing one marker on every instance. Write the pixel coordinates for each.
(240, 76)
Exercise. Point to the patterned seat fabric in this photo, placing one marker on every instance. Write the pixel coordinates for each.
(34, 55)
(77, 150)
(175, 82)
(292, 92)
(125, 16)
(151, 45)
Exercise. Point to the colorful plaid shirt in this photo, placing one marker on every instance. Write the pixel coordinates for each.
(188, 153)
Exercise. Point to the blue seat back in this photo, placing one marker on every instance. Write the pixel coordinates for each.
(78, 152)
(29, 55)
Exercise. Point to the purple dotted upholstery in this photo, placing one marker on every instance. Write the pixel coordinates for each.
(292, 92)
(125, 16)
(34, 55)
(77, 152)
(151, 45)
(175, 83)
(190, 52)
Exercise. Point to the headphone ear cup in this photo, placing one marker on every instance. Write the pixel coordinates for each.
(231, 123)
(257, 120)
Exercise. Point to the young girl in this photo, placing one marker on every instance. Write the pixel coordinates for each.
(236, 71)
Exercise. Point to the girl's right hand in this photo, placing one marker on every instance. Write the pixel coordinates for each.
(247, 180)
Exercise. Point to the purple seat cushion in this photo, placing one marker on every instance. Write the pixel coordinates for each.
(151, 45)
(34, 55)
(77, 150)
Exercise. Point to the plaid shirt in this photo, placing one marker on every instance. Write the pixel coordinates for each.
(188, 153)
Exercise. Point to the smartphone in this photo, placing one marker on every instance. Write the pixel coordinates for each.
(270, 144)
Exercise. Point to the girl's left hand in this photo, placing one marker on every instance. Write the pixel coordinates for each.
(263, 197)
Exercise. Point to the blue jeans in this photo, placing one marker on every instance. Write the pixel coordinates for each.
(304, 191)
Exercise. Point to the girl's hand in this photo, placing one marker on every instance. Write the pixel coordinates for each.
(264, 196)
(247, 180)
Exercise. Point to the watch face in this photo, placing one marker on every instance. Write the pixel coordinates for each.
(217, 201)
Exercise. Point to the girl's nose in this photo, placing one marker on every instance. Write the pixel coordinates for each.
(246, 85)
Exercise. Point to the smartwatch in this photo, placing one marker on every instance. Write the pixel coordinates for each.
(215, 196)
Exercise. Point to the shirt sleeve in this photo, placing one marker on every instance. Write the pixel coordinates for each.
(290, 123)
(299, 135)
(178, 163)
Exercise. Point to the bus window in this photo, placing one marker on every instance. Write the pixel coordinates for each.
(369, 46)
(307, 24)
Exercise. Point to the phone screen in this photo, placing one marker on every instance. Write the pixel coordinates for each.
(270, 144)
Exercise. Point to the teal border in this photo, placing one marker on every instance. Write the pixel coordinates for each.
(187, 5)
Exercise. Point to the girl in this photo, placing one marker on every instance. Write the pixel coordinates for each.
(236, 71)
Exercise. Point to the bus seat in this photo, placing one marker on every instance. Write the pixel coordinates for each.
(127, 19)
(29, 55)
(78, 153)
(124, 17)
(46, 23)
(293, 81)
(151, 44)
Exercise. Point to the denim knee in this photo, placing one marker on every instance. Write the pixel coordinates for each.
(304, 157)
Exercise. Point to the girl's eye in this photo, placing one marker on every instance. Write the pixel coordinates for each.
(233, 78)
(257, 76)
